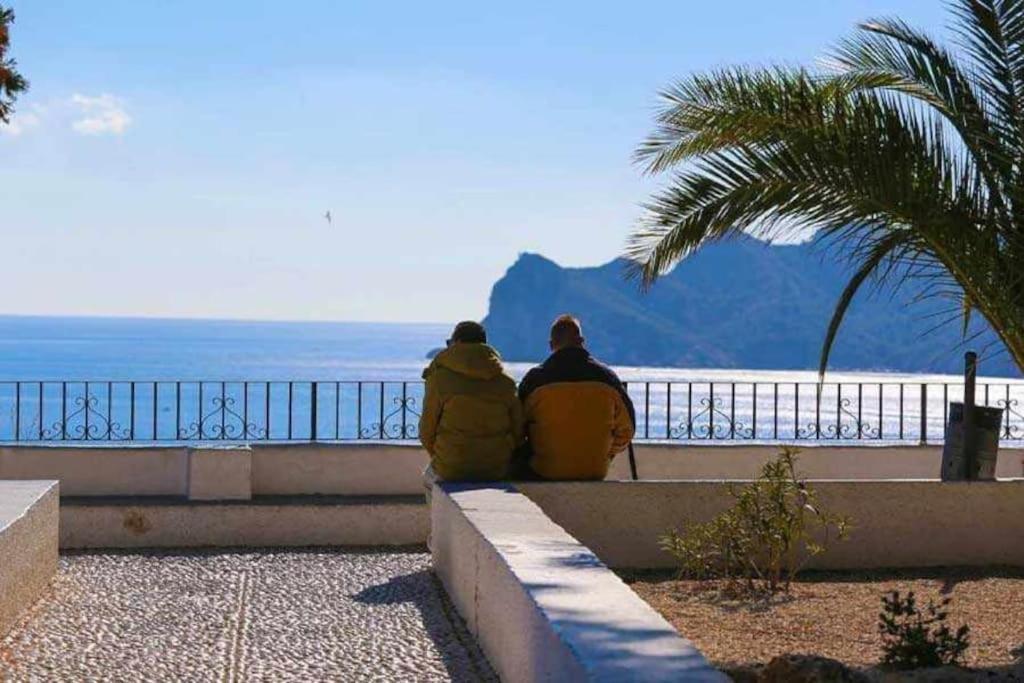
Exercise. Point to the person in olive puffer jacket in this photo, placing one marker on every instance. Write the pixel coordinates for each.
(472, 419)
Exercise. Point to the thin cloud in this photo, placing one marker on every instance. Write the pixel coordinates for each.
(101, 115)
(22, 122)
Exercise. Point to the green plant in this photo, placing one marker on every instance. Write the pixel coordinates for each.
(904, 154)
(773, 528)
(11, 82)
(912, 639)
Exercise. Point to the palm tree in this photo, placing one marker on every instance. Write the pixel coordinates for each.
(904, 155)
(11, 82)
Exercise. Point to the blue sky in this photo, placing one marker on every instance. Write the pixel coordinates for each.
(175, 159)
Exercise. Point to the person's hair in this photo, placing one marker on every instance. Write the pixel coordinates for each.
(566, 331)
(469, 332)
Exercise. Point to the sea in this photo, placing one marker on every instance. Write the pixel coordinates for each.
(142, 349)
(254, 363)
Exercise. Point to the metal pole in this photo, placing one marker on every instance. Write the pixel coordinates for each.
(924, 413)
(312, 411)
(632, 462)
(970, 438)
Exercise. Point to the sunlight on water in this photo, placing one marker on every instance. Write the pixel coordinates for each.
(215, 380)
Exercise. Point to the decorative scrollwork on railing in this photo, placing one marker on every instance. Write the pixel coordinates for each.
(684, 430)
(860, 429)
(93, 424)
(222, 423)
(711, 422)
(1012, 429)
(390, 410)
(400, 423)
(811, 431)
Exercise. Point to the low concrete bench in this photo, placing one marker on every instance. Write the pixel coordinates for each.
(28, 545)
(542, 606)
(178, 522)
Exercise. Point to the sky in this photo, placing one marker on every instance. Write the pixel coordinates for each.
(175, 159)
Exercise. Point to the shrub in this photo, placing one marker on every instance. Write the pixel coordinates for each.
(912, 639)
(758, 545)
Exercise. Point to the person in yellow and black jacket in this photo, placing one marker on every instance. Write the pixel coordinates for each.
(472, 420)
(578, 414)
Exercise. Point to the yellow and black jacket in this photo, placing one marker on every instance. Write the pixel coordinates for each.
(578, 416)
(472, 419)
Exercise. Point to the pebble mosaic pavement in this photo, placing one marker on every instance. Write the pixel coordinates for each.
(275, 615)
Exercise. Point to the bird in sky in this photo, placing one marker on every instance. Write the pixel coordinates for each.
(327, 216)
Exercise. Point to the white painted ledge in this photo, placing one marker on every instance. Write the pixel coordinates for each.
(28, 545)
(542, 606)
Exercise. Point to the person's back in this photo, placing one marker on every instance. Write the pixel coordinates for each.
(578, 414)
(472, 420)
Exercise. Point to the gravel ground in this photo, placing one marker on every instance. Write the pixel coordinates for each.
(277, 615)
(836, 614)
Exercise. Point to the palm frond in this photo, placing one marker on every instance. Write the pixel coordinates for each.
(882, 251)
(992, 32)
(906, 157)
(12, 83)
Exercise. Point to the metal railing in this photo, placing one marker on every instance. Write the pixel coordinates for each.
(224, 411)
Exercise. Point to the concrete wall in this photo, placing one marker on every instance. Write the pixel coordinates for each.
(101, 471)
(339, 469)
(395, 469)
(28, 545)
(220, 473)
(895, 523)
(541, 605)
(865, 460)
(209, 472)
(273, 521)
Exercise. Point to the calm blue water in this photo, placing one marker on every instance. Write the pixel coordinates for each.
(204, 379)
(138, 379)
(139, 349)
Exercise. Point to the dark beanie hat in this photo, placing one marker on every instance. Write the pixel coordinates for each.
(469, 332)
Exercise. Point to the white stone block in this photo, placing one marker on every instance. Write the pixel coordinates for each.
(220, 473)
(28, 545)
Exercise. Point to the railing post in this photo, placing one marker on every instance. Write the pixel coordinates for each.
(924, 413)
(312, 412)
(969, 438)
(647, 410)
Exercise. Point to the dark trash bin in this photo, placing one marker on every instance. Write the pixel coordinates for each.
(988, 424)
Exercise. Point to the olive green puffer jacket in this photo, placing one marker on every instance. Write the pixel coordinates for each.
(472, 419)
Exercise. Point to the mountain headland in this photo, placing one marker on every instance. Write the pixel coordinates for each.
(735, 304)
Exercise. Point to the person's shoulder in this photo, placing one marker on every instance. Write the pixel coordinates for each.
(604, 371)
(505, 380)
(439, 375)
(533, 373)
(532, 379)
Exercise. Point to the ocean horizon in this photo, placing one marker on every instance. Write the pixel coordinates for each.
(77, 348)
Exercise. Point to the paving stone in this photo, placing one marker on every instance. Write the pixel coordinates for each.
(271, 615)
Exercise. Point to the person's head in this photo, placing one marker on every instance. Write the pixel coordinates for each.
(566, 332)
(468, 332)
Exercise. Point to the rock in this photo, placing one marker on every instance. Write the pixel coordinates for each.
(700, 314)
(809, 669)
(745, 673)
(948, 674)
(814, 669)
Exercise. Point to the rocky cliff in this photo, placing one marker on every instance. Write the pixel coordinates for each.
(738, 304)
